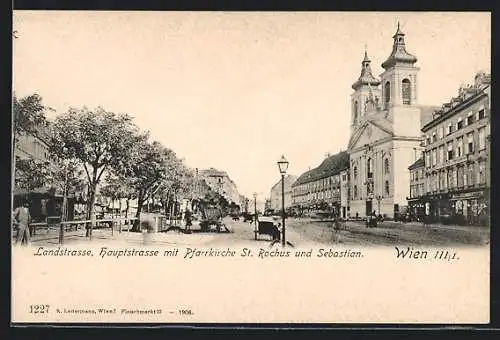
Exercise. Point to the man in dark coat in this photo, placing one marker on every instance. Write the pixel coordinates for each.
(22, 219)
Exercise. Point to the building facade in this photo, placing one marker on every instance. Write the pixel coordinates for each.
(33, 146)
(276, 195)
(385, 133)
(220, 182)
(46, 200)
(344, 194)
(417, 189)
(457, 156)
(320, 188)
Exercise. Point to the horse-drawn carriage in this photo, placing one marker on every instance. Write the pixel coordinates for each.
(268, 226)
(247, 217)
(211, 216)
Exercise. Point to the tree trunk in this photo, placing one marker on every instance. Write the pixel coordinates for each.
(120, 214)
(127, 207)
(112, 215)
(91, 209)
(167, 202)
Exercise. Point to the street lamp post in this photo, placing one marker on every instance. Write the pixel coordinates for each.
(379, 198)
(255, 213)
(283, 166)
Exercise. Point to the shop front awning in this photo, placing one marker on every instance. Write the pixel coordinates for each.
(467, 196)
(45, 192)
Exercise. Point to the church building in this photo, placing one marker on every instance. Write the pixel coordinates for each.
(385, 133)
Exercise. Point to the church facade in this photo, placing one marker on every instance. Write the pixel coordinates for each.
(385, 133)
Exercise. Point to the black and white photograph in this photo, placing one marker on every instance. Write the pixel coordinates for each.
(259, 167)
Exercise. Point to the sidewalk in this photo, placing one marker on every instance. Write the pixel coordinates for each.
(424, 234)
(104, 236)
(392, 224)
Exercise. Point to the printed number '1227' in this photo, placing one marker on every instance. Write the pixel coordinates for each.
(39, 309)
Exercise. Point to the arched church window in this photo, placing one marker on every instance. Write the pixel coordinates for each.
(355, 172)
(369, 168)
(387, 187)
(386, 165)
(356, 111)
(406, 89)
(387, 93)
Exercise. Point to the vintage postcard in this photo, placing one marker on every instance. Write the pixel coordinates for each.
(251, 167)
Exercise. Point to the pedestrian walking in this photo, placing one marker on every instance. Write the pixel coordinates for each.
(187, 217)
(22, 219)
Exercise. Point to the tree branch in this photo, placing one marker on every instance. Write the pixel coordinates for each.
(87, 171)
(102, 171)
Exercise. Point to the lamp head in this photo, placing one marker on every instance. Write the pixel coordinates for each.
(283, 165)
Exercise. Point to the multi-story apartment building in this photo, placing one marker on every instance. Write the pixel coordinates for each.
(456, 157)
(321, 186)
(344, 193)
(34, 146)
(220, 182)
(45, 200)
(417, 188)
(276, 195)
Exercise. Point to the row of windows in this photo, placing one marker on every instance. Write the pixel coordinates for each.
(462, 176)
(456, 149)
(415, 175)
(327, 193)
(318, 185)
(417, 190)
(369, 168)
(355, 191)
(313, 196)
(441, 132)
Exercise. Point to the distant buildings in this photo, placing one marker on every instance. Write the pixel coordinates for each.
(45, 200)
(276, 195)
(320, 188)
(220, 182)
(33, 146)
(267, 204)
(453, 178)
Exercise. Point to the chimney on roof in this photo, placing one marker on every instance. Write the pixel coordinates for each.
(327, 155)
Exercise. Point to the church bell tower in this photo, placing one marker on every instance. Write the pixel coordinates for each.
(399, 88)
(365, 90)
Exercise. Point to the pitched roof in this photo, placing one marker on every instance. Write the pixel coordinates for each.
(330, 166)
(466, 95)
(418, 164)
(382, 123)
(426, 113)
(289, 180)
(304, 178)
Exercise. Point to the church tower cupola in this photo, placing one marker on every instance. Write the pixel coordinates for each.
(399, 55)
(366, 94)
(366, 77)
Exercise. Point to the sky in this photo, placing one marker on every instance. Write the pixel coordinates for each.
(236, 90)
